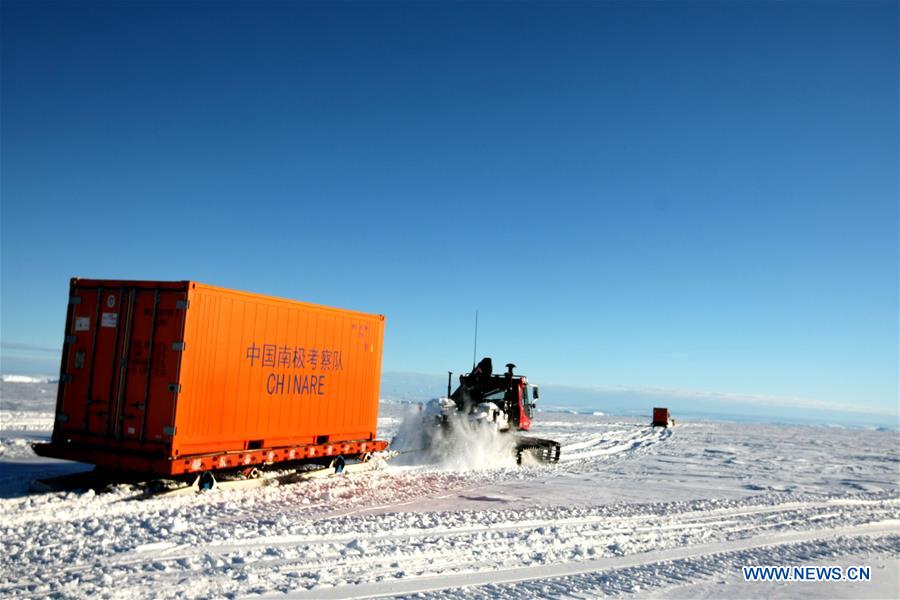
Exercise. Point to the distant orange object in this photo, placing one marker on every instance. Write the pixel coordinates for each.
(179, 377)
(660, 417)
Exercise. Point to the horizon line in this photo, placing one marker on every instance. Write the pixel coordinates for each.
(729, 397)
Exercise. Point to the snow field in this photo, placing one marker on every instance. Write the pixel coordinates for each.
(629, 510)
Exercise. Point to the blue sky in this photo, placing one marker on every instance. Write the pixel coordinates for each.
(683, 196)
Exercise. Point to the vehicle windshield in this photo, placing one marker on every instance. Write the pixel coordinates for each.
(497, 396)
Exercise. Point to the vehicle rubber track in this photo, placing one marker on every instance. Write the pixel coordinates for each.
(539, 450)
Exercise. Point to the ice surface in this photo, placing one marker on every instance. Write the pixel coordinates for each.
(629, 510)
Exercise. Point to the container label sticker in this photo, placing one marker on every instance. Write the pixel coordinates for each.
(82, 323)
(109, 320)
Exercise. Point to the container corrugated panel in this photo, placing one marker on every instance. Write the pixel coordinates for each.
(163, 370)
(274, 372)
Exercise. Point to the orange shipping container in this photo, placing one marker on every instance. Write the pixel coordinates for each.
(180, 377)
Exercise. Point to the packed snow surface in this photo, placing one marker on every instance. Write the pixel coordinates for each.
(629, 510)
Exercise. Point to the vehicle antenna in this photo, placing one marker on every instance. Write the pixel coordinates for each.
(475, 349)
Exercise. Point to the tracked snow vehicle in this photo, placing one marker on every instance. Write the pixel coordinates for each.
(505, 402)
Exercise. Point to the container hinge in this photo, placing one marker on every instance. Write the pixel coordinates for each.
(175, 387)
(178, 346)
(65, 378)
(71, 339)
(182, 304)
(61, 418)
(169, 430)
(74, 299)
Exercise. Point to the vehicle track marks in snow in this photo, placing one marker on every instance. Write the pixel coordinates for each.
(370, 549)
(614, 442)
(660, 569)
(599, 573)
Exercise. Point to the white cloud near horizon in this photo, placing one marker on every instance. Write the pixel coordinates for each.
(746, 398)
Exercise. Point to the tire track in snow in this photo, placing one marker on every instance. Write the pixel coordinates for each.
(397, 546)
(454, 584)
(614, 525)
(616, 442)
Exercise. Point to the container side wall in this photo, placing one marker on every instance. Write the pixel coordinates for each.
(261, 372)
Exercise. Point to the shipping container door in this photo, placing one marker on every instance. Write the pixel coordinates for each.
(135, 384)
(162, 379)
(108, 336)
(150, 383)
(93, 341)
(75, 376)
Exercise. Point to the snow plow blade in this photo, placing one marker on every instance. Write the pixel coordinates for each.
(537, 450)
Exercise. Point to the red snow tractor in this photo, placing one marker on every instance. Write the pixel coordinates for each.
(505, 401)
